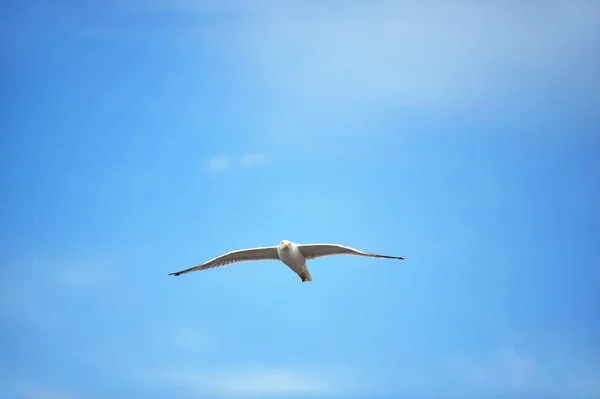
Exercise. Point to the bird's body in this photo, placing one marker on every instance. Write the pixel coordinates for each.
(295, 260)
(293, 255)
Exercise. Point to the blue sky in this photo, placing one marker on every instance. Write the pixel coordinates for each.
(144, 137)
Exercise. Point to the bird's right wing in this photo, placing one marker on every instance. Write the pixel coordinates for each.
(243, 255)
(312, 251)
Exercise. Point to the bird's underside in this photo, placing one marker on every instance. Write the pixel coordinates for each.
(293, 255)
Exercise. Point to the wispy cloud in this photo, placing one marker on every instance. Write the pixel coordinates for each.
(402, 51)
(222, 162)
(29, 291)
(252, 159)
(499, 370)
(218, 163)
(80, 275)
(190, 338)
(509, 371)
(520, 369)
(38, 392)
(256, 383)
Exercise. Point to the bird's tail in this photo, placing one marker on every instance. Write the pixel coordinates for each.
(305, 275)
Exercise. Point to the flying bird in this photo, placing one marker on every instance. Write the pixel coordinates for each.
(291, 254)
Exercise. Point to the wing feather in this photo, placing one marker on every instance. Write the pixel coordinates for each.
(242, 255)
(312, 251)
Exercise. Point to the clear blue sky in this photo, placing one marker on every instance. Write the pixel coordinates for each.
(143, 137)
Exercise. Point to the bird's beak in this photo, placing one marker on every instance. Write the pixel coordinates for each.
(286, 245)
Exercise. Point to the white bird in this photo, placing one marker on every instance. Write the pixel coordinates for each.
(293, 255)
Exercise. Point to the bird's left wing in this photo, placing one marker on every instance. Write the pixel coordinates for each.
(243, 255)
(312, 251)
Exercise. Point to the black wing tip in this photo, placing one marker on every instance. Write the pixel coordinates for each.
(394, 257)
(174, 274)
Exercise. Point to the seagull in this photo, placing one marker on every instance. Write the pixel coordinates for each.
(291, 254)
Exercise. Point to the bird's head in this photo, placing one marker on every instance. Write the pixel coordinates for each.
(285, 244)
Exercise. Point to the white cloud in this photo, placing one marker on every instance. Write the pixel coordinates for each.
(520, 369)
(508, 371)
(251, 159)
(407, 53)
(218, 163)
(397, 53)
(190, 337)
(503, 369)
(80, 274)
(29, 291)
(37, 392)
(223, 162)
(257, 383)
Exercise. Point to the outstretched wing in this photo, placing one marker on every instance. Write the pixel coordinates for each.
(243, 255)
(312, 251)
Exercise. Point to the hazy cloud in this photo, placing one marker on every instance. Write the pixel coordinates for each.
(406, 53)
(256, 383)
(509, 371)
(489, 371)
(252, 159)
(35, 300)
(190, 337)
(82, 274)
(218, 163)
(38, 392)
